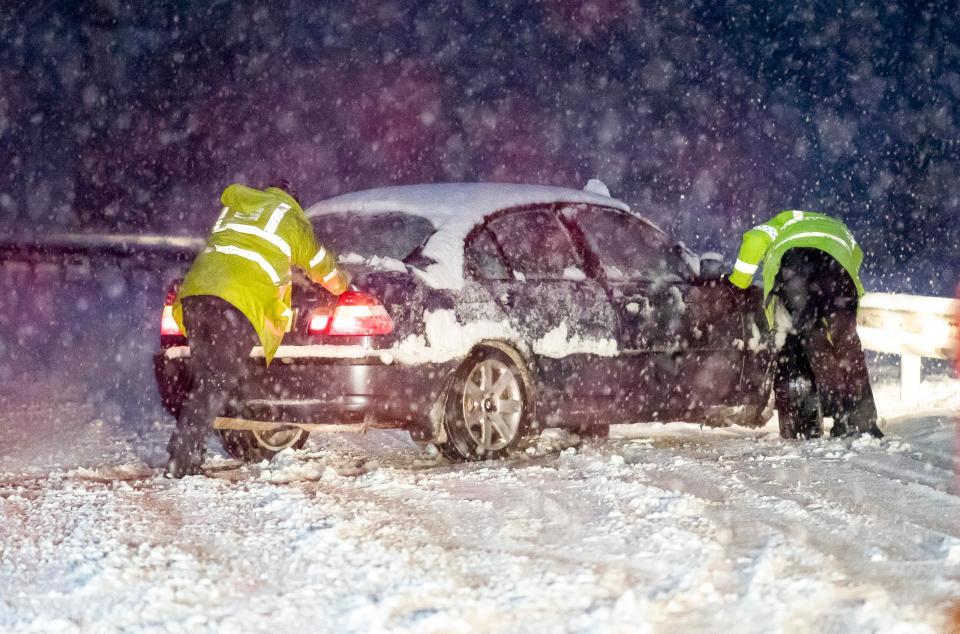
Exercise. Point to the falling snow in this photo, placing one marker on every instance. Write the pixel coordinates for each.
(120, 124)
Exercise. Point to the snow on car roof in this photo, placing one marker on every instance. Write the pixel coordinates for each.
(453, 209)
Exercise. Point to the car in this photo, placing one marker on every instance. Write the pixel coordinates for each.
(481, 313)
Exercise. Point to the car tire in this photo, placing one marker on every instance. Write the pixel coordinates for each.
(798, 406)
(488, 407)
(255, 446)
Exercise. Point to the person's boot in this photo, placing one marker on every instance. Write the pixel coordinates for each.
(863, 420)
(186, 455)
(179, 466)
(841, 427)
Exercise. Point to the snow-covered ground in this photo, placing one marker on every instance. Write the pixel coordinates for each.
(660, 528)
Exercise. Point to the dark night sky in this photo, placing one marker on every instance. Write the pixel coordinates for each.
(705, 116)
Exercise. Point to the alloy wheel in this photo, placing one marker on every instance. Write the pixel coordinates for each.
(492, 405)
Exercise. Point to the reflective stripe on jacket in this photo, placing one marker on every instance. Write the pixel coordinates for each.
(766, 243)
(258, 236)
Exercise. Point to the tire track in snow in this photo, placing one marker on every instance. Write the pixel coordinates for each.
(885, 538)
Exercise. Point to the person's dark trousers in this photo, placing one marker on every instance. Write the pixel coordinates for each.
(821, 299)
(220, 339)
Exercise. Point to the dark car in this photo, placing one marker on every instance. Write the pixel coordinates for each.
(483, 312)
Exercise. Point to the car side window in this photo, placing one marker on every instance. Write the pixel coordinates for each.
(481, 256)
(628, 247)
(536, 245)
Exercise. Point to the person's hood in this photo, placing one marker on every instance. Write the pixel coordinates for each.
(245, 198)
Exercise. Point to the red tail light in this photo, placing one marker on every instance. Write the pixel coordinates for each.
(318, 322)
(168, 325)
(356, 314)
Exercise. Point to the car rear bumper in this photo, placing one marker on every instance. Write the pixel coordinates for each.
(323, 390)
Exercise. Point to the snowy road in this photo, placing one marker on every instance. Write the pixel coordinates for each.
(661, 528)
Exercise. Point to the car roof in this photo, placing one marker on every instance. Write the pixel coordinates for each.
(438, 202)
(453, 209)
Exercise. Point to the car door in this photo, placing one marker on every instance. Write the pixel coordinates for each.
(678, 335)
(563, 315)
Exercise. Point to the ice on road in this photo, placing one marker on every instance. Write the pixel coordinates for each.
(660, 528)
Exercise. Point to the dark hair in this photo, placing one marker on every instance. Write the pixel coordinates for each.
(285, 185)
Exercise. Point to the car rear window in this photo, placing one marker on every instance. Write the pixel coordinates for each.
(394, 235)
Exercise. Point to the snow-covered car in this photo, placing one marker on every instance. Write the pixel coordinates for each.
(484, 312)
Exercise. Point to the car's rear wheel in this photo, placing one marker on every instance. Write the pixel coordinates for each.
(488, 407)
(254, 446)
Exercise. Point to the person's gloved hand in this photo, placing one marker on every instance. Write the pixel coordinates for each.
(339, 283)
(346, 282)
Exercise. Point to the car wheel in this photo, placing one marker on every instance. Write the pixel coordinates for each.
(798, 406)
(254, 446)
(488, 407)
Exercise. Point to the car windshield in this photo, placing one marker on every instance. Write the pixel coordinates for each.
(394, 235)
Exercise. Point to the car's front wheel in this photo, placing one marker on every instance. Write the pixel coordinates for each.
(254, 446)
(488, 407)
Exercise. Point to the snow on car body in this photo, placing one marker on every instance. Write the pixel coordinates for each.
(510, 307)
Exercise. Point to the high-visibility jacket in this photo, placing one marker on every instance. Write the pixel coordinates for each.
(766, 243)
(248, 257)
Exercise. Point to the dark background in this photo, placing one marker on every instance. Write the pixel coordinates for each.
(705, 116)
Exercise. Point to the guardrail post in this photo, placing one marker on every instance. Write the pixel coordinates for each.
(910, 366)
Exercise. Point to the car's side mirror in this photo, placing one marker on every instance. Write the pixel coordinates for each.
(711, 266)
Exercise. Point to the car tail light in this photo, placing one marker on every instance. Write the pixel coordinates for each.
(168, 325)
(318, 322)
(357, 314)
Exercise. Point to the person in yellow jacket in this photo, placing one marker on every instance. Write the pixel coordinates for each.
(236, 293)
(811, 264)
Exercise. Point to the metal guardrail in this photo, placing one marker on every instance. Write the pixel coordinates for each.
(131, 250)
(80, 290)
(913, 327)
